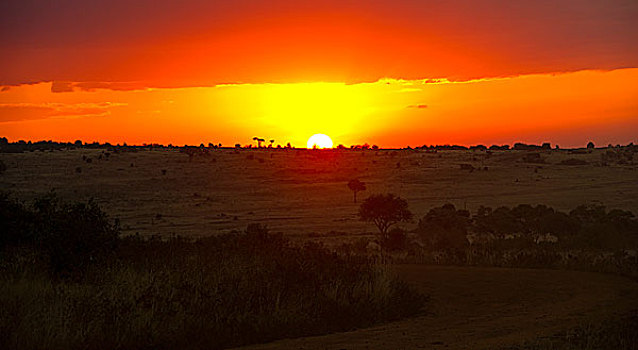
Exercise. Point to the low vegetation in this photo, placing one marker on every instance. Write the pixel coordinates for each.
(589, 237)
(619, 334)
(68, 281)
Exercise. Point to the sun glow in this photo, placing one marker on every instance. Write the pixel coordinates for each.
(291, 112)
(300, 109)
(319, 141)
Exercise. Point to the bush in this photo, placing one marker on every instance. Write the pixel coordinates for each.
(16, 222)
(214, 293)
(72, 236)
(524, 219)
(444, 227)
(396, 240)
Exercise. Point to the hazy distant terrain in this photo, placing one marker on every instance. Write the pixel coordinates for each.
(301, 192)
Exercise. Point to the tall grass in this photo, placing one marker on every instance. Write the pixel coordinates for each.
(617, 334)
(213, 293)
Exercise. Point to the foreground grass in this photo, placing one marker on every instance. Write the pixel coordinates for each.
(215, 293)
(618, 334)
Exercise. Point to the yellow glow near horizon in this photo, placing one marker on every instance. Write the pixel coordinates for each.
(302, 109)
(297, 110)
(319, 141)
(389, 113)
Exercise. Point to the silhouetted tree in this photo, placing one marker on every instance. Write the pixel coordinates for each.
(591, 145)
(259, 141)
(271, 143)
(384, 210)
(356, 186)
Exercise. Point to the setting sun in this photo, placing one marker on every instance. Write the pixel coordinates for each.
(319, 141)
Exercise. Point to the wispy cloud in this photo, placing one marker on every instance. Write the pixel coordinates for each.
(68, 86)
(33, 111)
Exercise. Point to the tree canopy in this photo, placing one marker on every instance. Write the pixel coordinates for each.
(384, 210)
(356, 186)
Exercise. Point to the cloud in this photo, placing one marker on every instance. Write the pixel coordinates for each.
(90, 86)
(418, 106)
(206, 43)
(10, 112)
(61, 86)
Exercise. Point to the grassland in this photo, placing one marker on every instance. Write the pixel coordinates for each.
(212, 293)
(302, 193)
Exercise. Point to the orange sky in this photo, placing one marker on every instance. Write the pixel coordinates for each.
(359, 71)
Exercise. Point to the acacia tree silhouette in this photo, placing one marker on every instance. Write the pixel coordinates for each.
(384, 210)
(259, 141)
(356, 186)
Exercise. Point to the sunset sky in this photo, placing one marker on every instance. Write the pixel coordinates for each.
(392, 73)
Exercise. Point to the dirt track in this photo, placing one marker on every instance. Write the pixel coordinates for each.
(487, 308)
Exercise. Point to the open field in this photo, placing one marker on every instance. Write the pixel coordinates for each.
(488, 308)
(303, 195)
(301, 192)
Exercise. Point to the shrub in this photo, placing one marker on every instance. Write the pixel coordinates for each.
(524, 219)
(444, 227)
(214, 293)
(16, 222)
(396, 240)
(72, 236)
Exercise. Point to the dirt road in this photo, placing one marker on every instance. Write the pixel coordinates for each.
(487, 308)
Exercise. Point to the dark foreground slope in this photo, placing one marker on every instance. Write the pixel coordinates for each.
(489, 308)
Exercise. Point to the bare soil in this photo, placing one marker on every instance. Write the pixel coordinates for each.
(487, 308)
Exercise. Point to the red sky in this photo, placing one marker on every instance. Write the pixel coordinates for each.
(102, 56)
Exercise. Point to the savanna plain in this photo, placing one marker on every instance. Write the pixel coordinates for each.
(208, 248)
